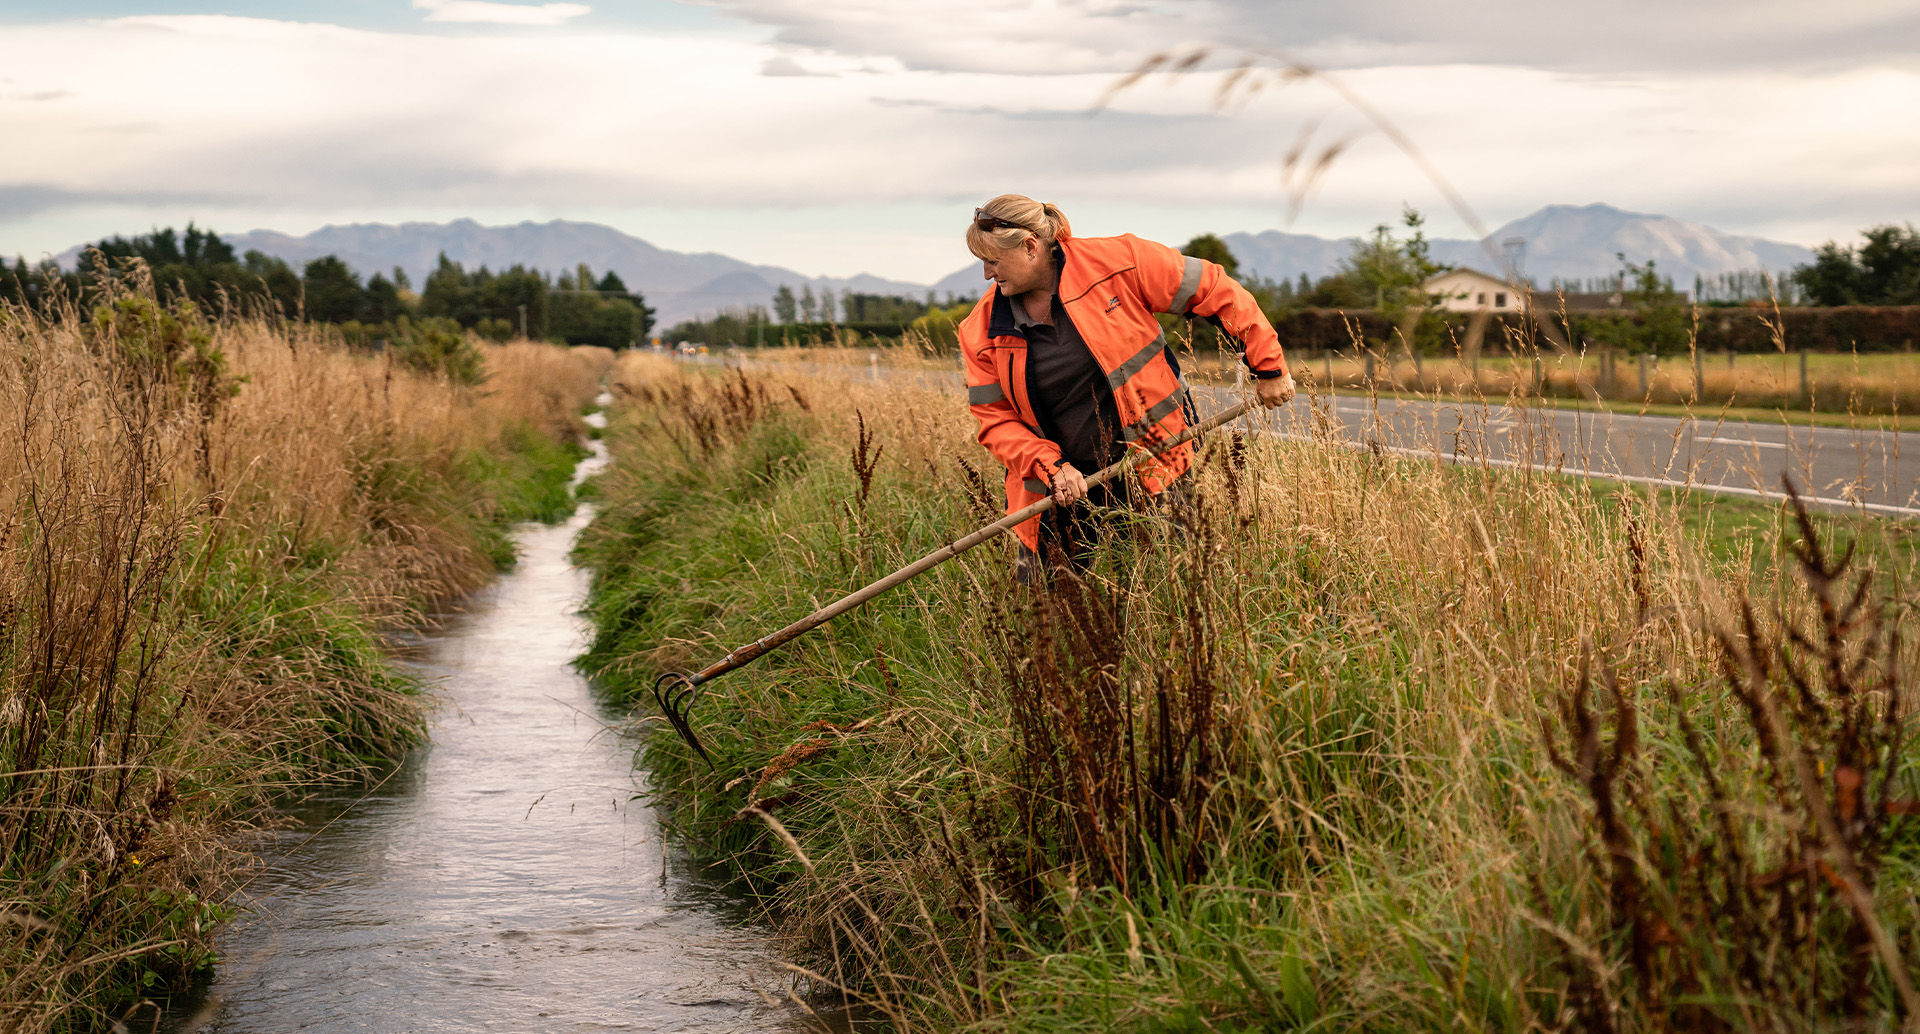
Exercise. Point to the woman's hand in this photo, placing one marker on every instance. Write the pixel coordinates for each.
(1069, 486)
(1274, 391)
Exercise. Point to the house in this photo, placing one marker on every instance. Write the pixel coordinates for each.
(1469, 290)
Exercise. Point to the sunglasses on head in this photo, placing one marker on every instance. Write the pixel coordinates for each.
(988, 223)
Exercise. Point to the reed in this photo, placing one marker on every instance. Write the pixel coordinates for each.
(205, 529)
(1277, 762)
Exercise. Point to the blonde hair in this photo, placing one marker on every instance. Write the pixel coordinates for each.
(1039, 220)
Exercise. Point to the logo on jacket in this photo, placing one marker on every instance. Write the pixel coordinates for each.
(1113, 303)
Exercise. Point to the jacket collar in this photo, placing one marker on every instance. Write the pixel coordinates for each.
(1009, 322)
(1001, 323)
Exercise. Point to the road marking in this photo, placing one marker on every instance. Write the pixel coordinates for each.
(1742, 441)
(1691, 486)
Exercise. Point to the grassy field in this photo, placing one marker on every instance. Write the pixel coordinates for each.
(1869, 390)
(1355, 743)
(205, 530)
(1844, 390)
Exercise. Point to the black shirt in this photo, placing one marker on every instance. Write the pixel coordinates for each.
(1069, 390)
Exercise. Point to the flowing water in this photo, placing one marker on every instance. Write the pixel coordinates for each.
(503, 878)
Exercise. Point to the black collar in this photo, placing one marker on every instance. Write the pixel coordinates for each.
(1001, 323)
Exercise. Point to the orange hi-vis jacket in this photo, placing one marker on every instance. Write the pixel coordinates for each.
(1111, 288)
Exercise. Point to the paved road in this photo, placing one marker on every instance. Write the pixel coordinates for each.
(1878, 471)
(1836, 468)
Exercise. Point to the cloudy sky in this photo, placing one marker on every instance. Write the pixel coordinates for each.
(842, 136)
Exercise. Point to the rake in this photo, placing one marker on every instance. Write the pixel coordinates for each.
(676, 692)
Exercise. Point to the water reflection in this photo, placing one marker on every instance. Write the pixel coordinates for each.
(502, 878)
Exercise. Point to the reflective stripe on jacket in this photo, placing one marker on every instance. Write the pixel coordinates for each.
(1111, 288)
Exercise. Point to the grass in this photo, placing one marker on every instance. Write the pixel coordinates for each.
(1320, 757)
(205, 530)
(1875, 390)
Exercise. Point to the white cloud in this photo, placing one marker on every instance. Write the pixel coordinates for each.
(499, 14)
(1021, 36)
(691, 142)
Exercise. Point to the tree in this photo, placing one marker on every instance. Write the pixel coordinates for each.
(1831, 279)
(880, 308)
(809, 309)
(1661, 325)
(612, 288)
(1890, 265)
(1883, 271)
(1213, 249)
(584, 311)
(448, 293)
(333, 292)
(195, 265)
(277, 279)
(384, 304)
(1393, 272)
(513, 294)
(783, 304)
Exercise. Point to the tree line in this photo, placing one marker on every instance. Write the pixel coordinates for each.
(1884, 270)
(573, 307)
(852, 306)
(793, 317)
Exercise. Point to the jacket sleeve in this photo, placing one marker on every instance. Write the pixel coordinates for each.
(1187, 286)
(1012, 442)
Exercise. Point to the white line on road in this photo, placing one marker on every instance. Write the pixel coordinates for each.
(1743, 441)
(1692, 486)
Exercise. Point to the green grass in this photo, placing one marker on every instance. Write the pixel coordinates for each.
(1374, 838)
(253, 668)
(526, 477)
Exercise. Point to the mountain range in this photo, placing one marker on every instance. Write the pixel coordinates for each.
(1558, 241)
(1565, 242)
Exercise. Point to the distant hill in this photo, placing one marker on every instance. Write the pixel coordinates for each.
(677, 284)
(1565, 241)
(1569, 241)
(965, 282)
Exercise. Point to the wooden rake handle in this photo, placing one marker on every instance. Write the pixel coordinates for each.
(769, 643)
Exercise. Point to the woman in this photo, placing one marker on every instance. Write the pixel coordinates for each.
(1067, 367)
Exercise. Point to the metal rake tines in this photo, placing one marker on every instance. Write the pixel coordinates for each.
(675, 693)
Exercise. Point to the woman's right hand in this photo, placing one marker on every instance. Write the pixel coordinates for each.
(1069, 486)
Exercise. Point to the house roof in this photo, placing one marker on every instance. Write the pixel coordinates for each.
(1468, 271)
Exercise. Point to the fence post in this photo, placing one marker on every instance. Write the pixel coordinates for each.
(1646, 378)
(1368, 369)
(1328, 356)
(1696, 374)
(1806, 388)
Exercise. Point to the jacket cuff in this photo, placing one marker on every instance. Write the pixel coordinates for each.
(1044, 468)
(1267, 375)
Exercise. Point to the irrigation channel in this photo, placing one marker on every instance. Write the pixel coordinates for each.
(503, 878)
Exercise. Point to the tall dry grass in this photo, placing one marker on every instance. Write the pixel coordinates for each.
(1277, 763)
(204, 526)
(1839, 385)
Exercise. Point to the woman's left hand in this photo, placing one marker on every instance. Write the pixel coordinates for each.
(1274, 391)
(1069, 486)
